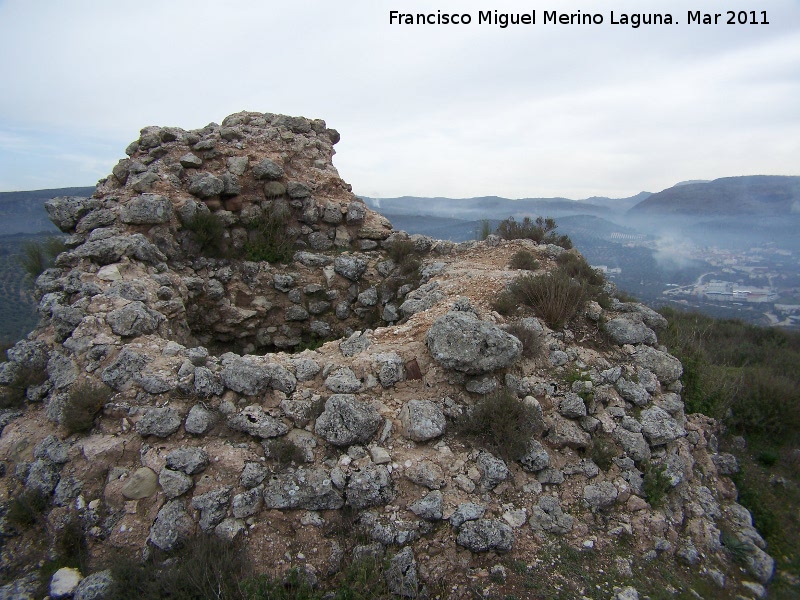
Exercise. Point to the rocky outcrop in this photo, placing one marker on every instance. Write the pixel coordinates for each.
(217, 406)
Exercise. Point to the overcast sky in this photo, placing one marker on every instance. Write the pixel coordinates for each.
(458, 111)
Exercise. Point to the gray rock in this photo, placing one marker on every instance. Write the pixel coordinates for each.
(253, 474)
(558, 358)
(422, 420)
(305, 369)
(29, 355)
(320, 241)
(350, 267)
(427, 474)
(547, 516)
(401, 575)
(460, 341)
(97, 586)
(343, 381)
(296, 313)
(572, 406)
(565, 433)
(253, 420)
(61, 370)
(331, 213)
(188, 460)
(624, 330)
(390, 369)
(66, 211)
(198, 420)
(659, 427)
(688, 554)
(633, 444)
(482, 385)
(205, 185)
(173, 526)
(160, 422)
(600, 496)
(632, 392)
(466, 511)
(355, 344)
(421, 299)
(191, 161)
(493, 470)
(247, 503)
(280, 378)
(213, 507)
(370, 486)
(429, 507)
(310, 259)
(369, 297)
(237, 164)
(122, 370)
(67, 490)
(309, 489)
(174, 483)
(43, 476)
(760, 564)
(667, 368)
(231, 185)
(297, 190)
(484, 535)
(147, 209)
(134, 319)
(726, 463)
(550, 476)
(244, 376)
(52, 449)
(206, 383)
(347, 421)
(356, 211)
(536, 458)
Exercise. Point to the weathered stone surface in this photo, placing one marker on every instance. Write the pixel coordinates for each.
(356, 343)
(624, 330)
(572, 406)
(547, 516)
(460, 341)
(347, 421)
(632, 392)
(726, 463)
(536, 458)
(134, 319)
(205, 185)
(253, 420)
(633, 444)
(63, 582)
(426, 473)
(493, 470)
(244, 376)
(66, 211)
(600, 496)
(191, 161)
(371, 486)
(143, 483)
(96, 586)
(121, 371)
(213, 507)
(429, 507)
(188, 460)
(351, 267)
(666, 367)
(61, 370)
(160, 422)
(147, 209)
(760, 564)
(29, 354)
(174, 483)
(199, 420)
(466, 511)
(565, 433)
(401, 575)
(422, 420)
(486, 534)
(173, 526)
(659, 427)
(309, 489)
(421, 299)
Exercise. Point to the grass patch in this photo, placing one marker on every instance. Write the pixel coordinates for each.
(84, 402)
(502, 422)
(270, 238)
(27, 508)
(541, 231)
(524, 260)
(405, 256)
(554, 297)
(532, 341)
(208, 231)
(603, 451)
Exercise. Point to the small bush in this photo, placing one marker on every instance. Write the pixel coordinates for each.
(603, 451)
(524, 260)
(209, 232)
(656, 484)
(483, 230)
(84, 402)
(576, 266)
(38, 256)
(505, 303)
(27, 508)
(271, 240)
(532, 341)
(13, 395)
(71, 547)
(541, 231)
(554, 296)
(768, 457)
(405, 256)
(285, 451)
(503, 422)
(739, 550)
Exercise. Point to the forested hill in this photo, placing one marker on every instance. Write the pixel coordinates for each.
(23, 212)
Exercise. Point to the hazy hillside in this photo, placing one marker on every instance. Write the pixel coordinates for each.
(23, 212)
(751, 195)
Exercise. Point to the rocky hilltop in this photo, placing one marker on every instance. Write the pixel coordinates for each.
(234, 345)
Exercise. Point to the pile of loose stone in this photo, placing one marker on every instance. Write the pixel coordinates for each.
(193, 440)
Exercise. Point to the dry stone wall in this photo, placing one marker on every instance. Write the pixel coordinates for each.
(285, 447)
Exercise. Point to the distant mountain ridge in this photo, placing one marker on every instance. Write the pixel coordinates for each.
(762, 195)
(23, 212)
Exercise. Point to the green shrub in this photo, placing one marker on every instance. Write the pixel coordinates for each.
(483, 230)
(656, 484)
(27, 508)
(85, 400)
(271, 239)
(13, 395)
(70, 546)
(532, 341)
(554, 296)
(505, 303)
(405, 256)
(541, 231)
(38, 256)
(502, 422)
(603, 451)
(208, 230)
(739, 550)
(285, 451)
(768, 457)
(524, 260)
